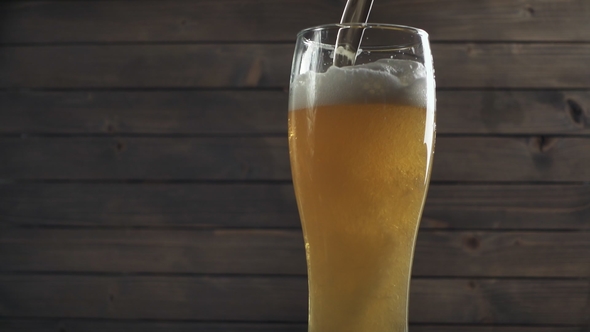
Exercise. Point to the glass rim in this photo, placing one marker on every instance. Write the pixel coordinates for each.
(383, 26)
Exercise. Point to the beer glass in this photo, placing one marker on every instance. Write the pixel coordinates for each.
(361, 141)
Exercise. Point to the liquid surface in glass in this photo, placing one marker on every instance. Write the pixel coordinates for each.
(361, 143)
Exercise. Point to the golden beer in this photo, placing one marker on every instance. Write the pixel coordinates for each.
(361, 141)
(359, 175)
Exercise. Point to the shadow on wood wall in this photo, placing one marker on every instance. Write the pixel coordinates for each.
(145, 182)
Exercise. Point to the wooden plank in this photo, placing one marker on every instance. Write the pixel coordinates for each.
(186, 205)
(153, 251)
(144, 158)
(146, 112)
(543, 159)
(476, 328)
(258, 252)
(453, 301)
(499, 301)
(146, 66)
(170, 298)
(495, 65)
(511, 159)
(210, 20)
(512, 254)
(507, 207)
(264, 112)
(511, 65)
(565, 207)
(513, 112)
(72, 325)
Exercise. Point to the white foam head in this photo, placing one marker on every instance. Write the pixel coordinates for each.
(383, 81)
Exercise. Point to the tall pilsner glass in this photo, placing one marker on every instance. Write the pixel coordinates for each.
(361, 143)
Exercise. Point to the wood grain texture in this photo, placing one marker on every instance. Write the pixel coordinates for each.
(159, 205)
(507, 207)
(147, 112)
(458, 65)
(258, 252)
(564, 207)
(511, 65)
(265, 112)
(154, 21)
(500, 301)
(510, 254)
(539, 158)
(145, 158)
(72, 325)
(516, 159)
(513, 112)
(154, 251)
(145, 66)
(458, 301)
(476, 328)
(195, 298)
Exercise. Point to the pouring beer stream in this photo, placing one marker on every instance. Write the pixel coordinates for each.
(348, 40)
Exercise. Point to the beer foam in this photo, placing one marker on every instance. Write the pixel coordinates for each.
(384, 81)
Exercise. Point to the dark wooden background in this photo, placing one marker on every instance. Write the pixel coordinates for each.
(145, 182)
